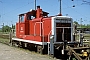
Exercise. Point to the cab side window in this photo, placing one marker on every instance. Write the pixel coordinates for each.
(21, 18)
(29, 17)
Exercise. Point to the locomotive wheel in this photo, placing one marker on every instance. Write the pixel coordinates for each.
(15, 43)
(19, 44)
(39, 49)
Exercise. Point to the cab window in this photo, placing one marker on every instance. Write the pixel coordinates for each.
(21, 18)
(30, 17)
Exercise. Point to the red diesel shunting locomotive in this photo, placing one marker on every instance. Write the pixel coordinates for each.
(35, 28)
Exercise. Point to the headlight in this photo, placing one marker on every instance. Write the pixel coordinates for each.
(51, 37)
(82, 51)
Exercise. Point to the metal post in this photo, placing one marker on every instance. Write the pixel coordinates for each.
(48, 49)
(72, 32)
(35, 4)
(81, 23)
(3, 27)
(60, 6)
(52, 46)
(63, 41)
(79, 35)
(10, 37)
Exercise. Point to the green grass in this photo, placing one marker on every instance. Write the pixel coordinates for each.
(4, 36)
(5, 41)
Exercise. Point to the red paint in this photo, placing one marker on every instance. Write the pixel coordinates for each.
(36, 29)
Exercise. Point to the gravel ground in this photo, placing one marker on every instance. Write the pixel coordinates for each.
(12, 53)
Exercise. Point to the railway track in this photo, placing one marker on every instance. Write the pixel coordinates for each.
(4, 38)
(12, 53)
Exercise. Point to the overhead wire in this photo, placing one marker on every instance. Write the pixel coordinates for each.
(75, 10)
(6, 14)
(17, 8)
(28, 4)
(78, 12)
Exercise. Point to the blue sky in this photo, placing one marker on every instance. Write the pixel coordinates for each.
(10, 9)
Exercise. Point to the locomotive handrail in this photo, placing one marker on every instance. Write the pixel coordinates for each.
(48, 41)
(43, 35)
(49, 35)
(40, 31)
(55, 42)
(35, 29)
(71, 31)
(64, 27)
